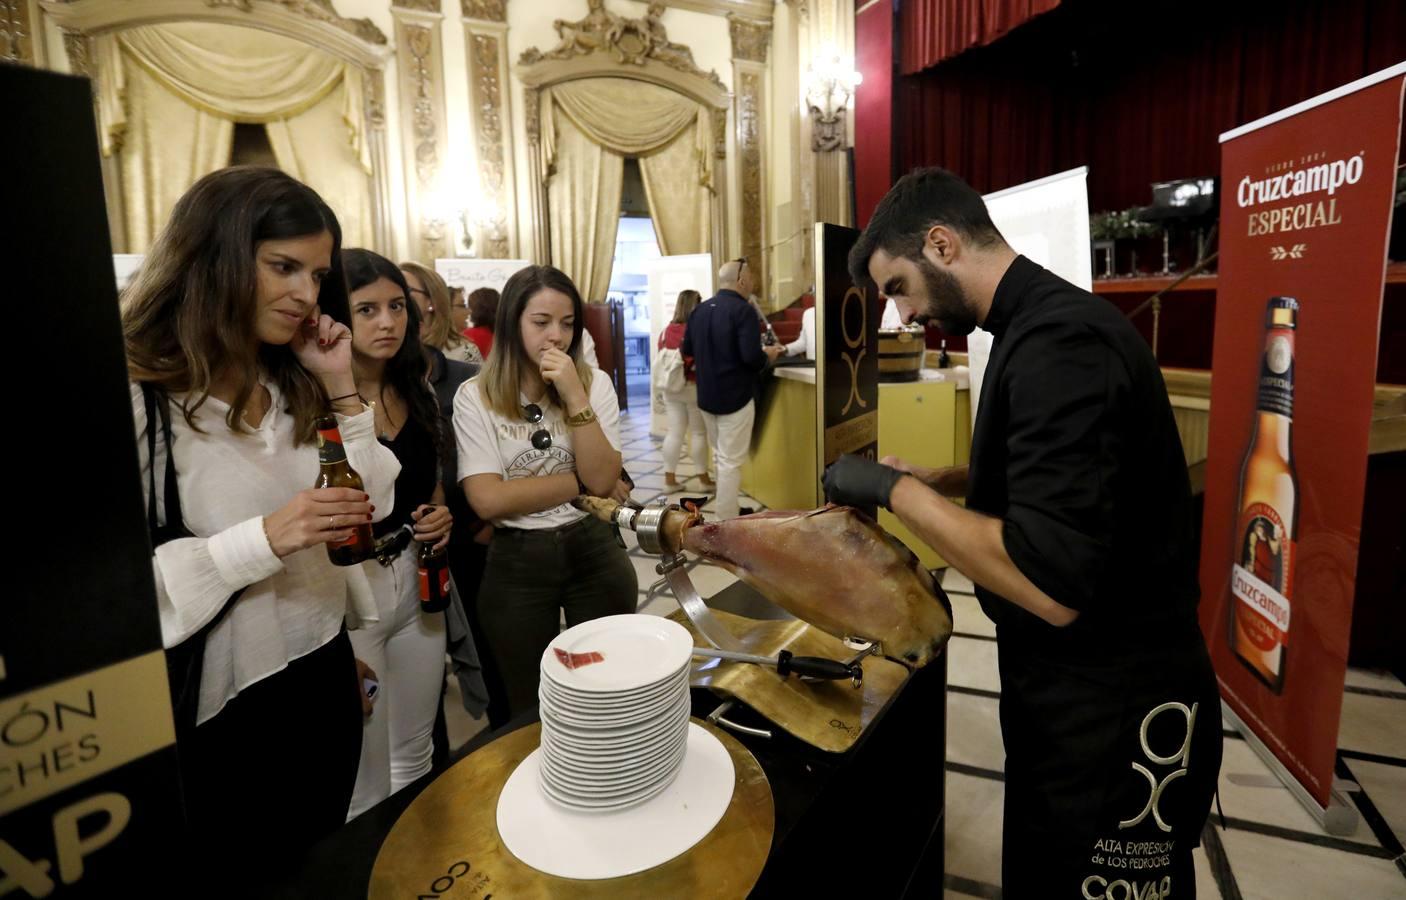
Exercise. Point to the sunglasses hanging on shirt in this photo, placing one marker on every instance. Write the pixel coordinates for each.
(541, 438)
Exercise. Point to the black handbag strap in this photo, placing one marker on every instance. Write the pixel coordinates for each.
(159, 408)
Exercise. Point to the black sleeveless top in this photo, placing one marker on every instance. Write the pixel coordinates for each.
(414, 447)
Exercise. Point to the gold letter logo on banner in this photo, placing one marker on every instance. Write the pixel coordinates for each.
(851, 358)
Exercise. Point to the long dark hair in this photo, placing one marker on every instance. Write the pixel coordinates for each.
(190, 311)
(408, 371)
(502, 371)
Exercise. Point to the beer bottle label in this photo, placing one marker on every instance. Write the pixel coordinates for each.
(1262, 577)
(329, 446)
(1277, 373)
(434, 584)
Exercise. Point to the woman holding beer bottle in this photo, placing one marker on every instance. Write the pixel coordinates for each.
(406, 647)
(237, 326)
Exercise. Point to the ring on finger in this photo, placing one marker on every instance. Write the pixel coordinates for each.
(332, 523)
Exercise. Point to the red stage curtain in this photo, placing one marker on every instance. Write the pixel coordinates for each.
(1096, 84)
(935, 30)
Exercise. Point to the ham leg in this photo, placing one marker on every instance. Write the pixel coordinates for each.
(833, 567)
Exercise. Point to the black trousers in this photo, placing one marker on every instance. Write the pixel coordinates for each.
(531, 578)
(273, 772)
(1110, 771)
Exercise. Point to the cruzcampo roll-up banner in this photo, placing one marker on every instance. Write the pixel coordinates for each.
(1305, 213)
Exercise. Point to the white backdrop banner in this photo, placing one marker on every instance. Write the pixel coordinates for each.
(1046, 220)
(668, 275)
(472, 274)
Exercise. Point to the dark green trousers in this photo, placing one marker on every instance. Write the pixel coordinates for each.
(531, 578)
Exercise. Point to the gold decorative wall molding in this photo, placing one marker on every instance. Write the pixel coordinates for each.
(429, 6)
(750, 38)
(316, 23)
(751, 119)
(485, 37)
(486, 10)
(17, 38)
(419, 53)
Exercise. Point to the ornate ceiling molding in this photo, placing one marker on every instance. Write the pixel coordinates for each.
(632, 42)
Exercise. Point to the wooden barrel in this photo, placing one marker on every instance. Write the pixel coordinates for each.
(901, 353)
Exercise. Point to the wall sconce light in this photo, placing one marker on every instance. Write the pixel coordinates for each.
(830, 84)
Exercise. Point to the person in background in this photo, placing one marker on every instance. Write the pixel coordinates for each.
(431, 296)
(681, 406)
(804, 344)
(459, 310)
(482, 312)
(468, 545)
(724, 339)
(237, 324)
(406, 646)
(537, 429)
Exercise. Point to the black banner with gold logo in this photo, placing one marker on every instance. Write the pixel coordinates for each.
(89, 797)
(847, 343)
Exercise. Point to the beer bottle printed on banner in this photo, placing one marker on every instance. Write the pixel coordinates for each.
(434, 575)
(335, 471)
(1266, 531)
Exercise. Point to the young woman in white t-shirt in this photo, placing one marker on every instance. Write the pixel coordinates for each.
(238, 318)
(536, 429)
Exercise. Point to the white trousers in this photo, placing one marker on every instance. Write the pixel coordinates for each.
(684, 415)
(730, 436)
(406, 649)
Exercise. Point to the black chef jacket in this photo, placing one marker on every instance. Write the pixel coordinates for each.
(1075, 449)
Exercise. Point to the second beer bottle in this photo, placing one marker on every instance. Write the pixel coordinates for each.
(337, 472)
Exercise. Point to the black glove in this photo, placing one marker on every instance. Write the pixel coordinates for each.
(855, 481)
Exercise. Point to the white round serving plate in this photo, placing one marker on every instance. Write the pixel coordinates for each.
(594, 845)
(637, 650)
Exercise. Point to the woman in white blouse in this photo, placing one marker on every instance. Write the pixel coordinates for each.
(238, 320)
(536, 429)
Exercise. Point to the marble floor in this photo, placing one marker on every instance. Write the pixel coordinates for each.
(1267, 847)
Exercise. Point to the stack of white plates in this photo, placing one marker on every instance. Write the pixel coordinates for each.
(614, 704)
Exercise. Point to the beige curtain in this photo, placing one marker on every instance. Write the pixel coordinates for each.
(616, 117)
(167, 146)
(679, 200)
(331, 168)
(187, 83)
(583, 204)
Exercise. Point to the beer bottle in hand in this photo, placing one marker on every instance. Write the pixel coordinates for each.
(434, 576)
(337, 472)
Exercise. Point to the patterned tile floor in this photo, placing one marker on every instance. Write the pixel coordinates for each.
(1269, 848)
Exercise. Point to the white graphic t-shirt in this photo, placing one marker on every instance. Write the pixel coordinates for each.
(492, 444)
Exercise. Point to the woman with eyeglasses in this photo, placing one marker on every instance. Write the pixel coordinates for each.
(432, 299)
(406, 647)
(536, 430)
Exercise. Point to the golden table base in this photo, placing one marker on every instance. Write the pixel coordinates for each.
(446, 842)
(830, 715)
